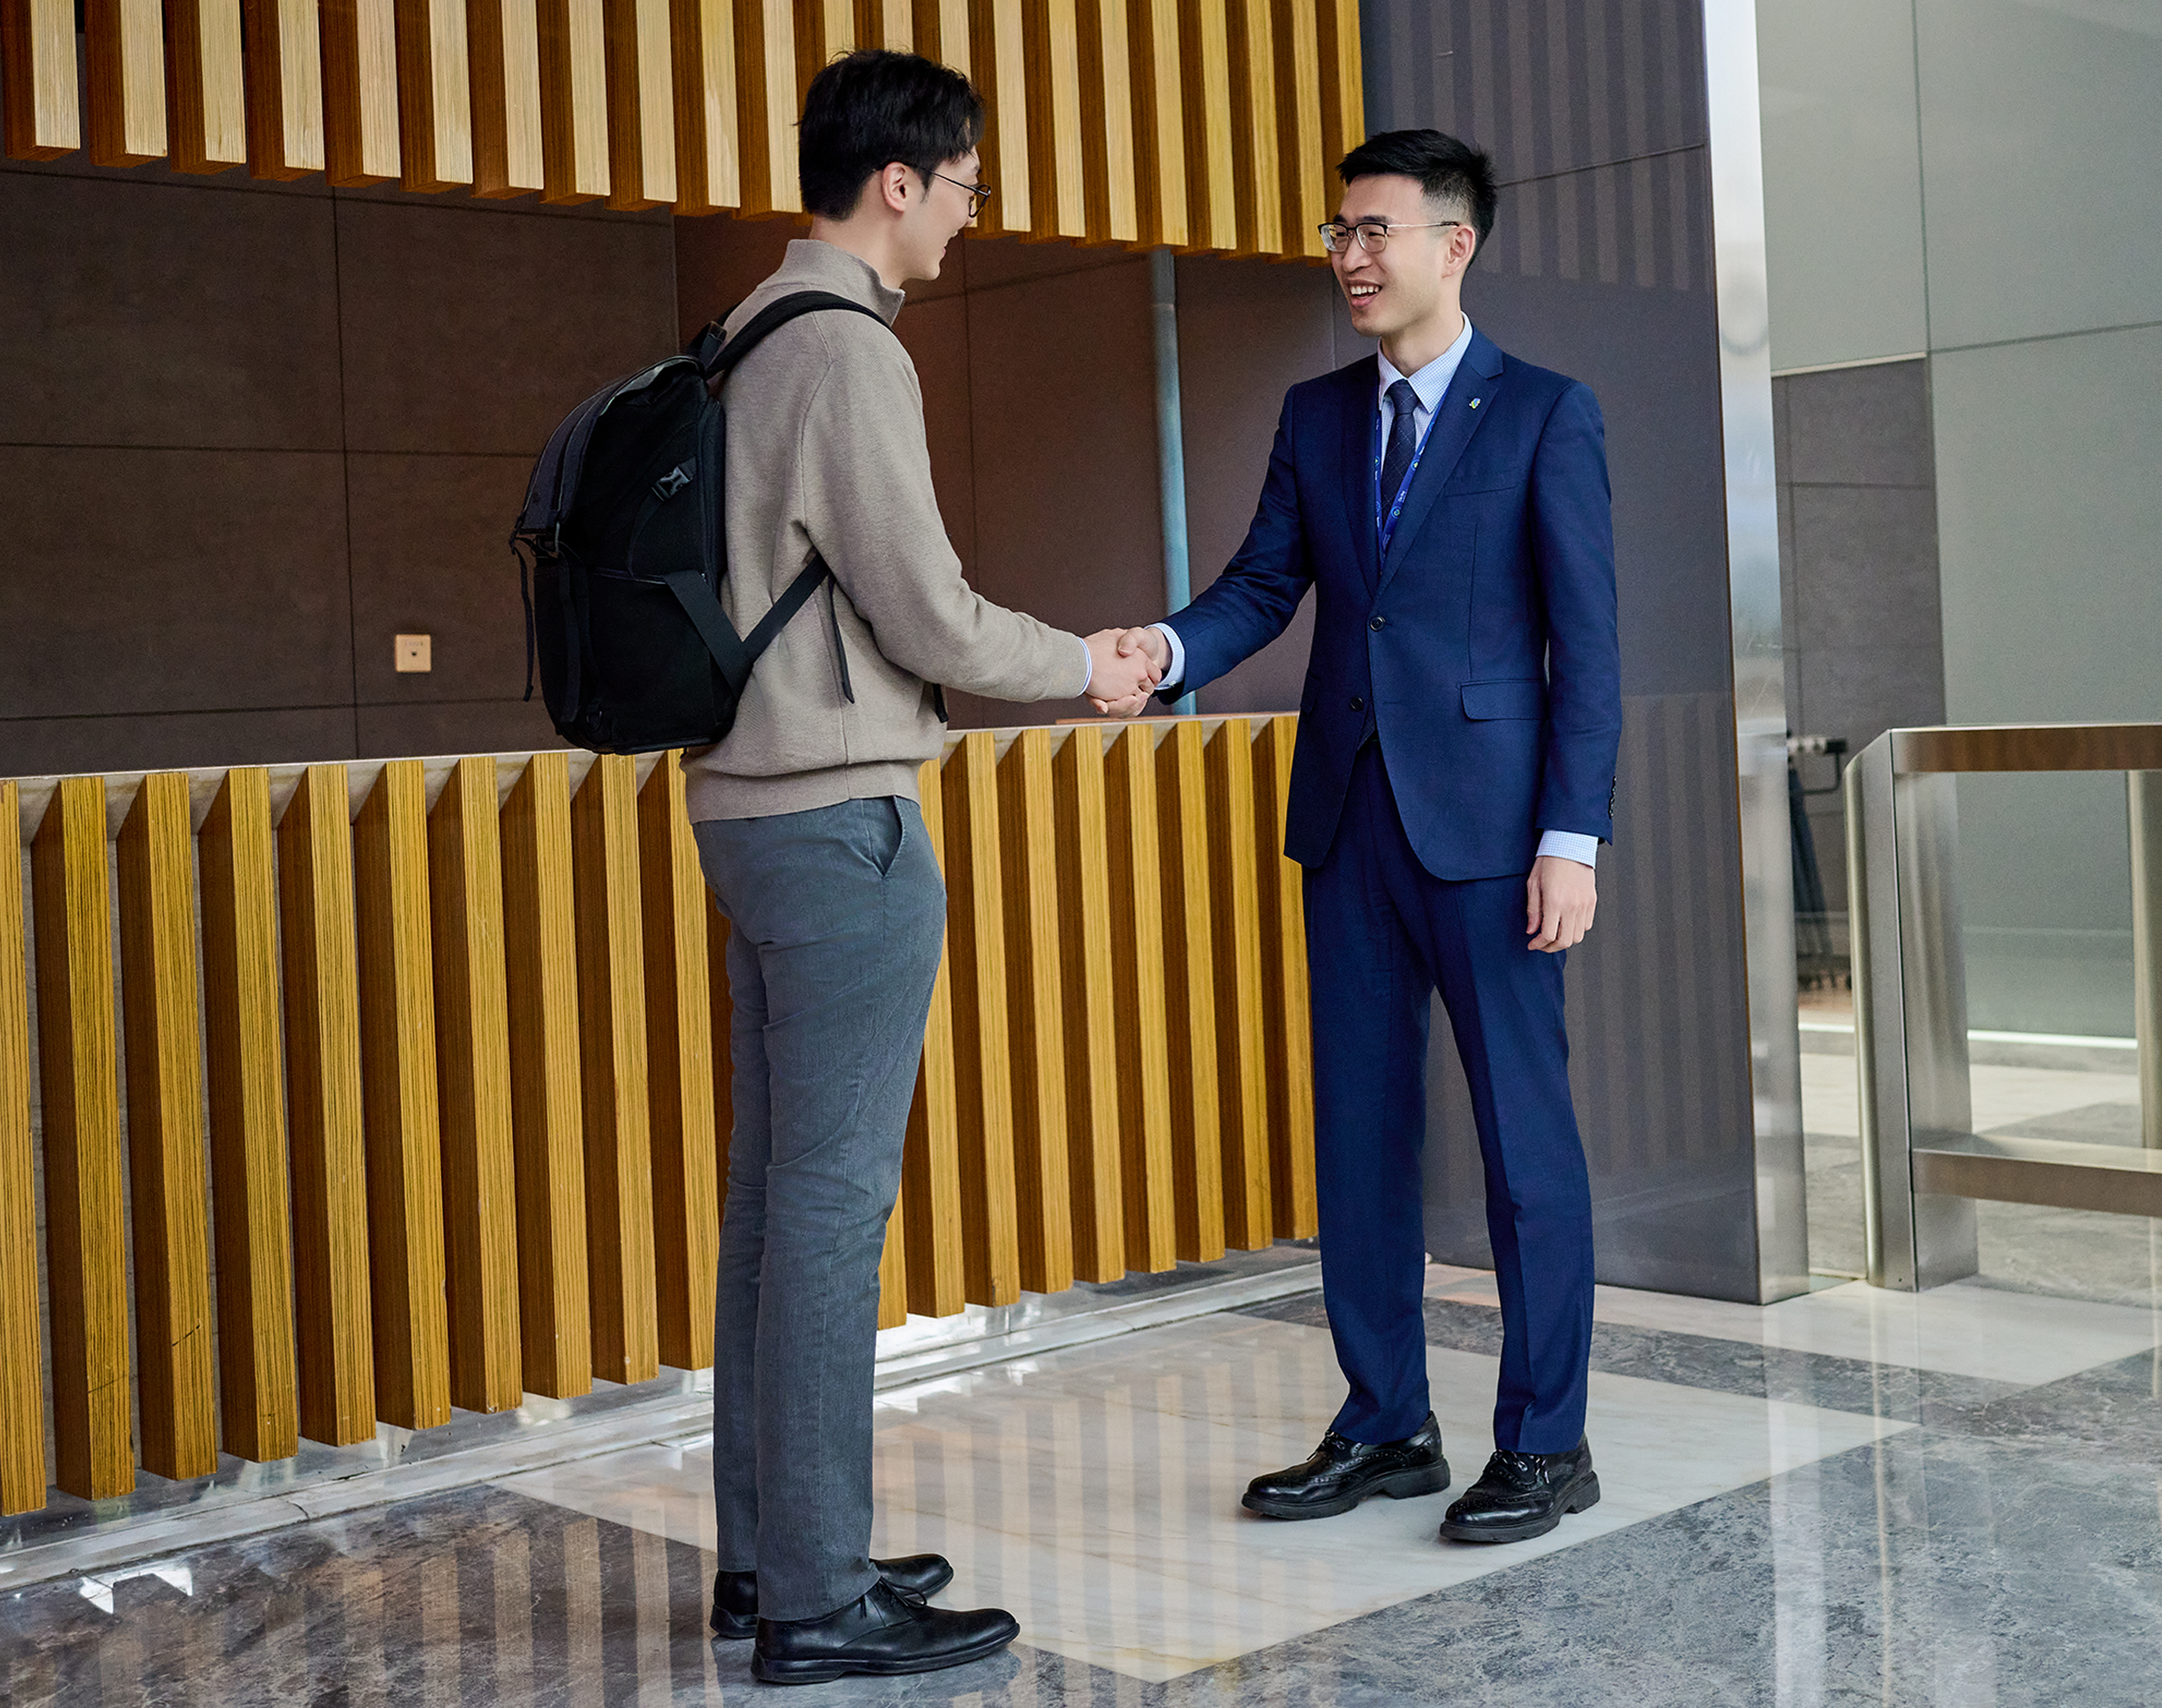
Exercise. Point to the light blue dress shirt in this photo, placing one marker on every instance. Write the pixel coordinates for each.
(1429, 384)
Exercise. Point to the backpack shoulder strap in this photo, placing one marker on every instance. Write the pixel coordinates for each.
(717, 359)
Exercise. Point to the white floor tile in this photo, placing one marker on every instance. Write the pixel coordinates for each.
(1094, 1491)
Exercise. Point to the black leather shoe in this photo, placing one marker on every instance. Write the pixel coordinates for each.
(887, 1632)
(1522, 1495)
(1339, 1474)
(736, 1593)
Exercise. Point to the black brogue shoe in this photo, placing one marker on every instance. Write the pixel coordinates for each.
(1521, 1495)
(736, 1593)
(1339, 1474)
(887, 1632)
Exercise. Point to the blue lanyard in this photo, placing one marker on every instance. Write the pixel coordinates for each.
(1386, 524)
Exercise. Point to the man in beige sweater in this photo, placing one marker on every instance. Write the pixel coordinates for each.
(810, 835)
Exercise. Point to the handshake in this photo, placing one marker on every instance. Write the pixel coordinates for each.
(1126, 665)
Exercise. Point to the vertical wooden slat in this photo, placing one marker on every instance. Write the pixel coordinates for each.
(1110, 193)
(709, 170)
(612, 1014)
(249, 1198)
(931, 1163)
(896, 22)
(767, 106)
(1057, 187)
(504, 44)
(206, 93)
(1343, 97)
(825, 30)
(124, 66)
(941, 33)
(1289, 1046)
(411, 1339)
(1242, 1076)
(284, 62)
(465, 896)
(679, 1070)
(434, 95)
(1212, 172)
(360, 91)
(1189, 967)
(1035, 1025)
(39, 102)
(893, 1271)
(547, 1119)
(641, 104)
(85, 1249)
(1257, 178)
(1081, 834)
(720, 1005)
(991, 1257)
(1163, 208)
(999, 51)
(1303, 178)
(323, 1071)
(22, 1349)
(574, 100)
(1139, 976)
(165, 1131)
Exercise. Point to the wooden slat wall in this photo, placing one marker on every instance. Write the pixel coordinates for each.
(505, 1034)
(465, 897)
(323, 1071)
(165, 1131)
(398, 1101)
(547, 1103)
(22, 1342)
(79, 1077)
(1206, 125)
(250, 1196)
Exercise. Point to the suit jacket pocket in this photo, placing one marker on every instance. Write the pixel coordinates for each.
(1519, 697)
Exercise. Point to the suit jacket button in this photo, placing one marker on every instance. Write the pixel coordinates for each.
(1358, 704)
(1378, 623)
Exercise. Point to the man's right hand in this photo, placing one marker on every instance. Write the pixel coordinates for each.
(1122, 676)
(1132, 644)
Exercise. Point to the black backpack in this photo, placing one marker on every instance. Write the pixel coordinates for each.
(623, 527)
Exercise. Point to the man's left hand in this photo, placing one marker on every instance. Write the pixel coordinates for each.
(1560, 897)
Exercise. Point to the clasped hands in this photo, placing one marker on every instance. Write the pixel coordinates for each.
(1126, 666)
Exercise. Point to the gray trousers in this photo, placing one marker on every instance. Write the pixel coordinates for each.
(838, 916)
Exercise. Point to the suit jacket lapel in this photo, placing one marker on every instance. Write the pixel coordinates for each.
(1478, 376)
(1357, 474)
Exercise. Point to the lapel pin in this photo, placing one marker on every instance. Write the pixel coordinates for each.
(1474, 403)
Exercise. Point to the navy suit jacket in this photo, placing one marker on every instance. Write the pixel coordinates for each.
(1484, 647)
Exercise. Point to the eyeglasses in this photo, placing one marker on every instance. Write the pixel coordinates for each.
(978, 195)
(1373, 235)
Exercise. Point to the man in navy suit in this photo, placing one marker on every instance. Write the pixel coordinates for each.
(1453, 779)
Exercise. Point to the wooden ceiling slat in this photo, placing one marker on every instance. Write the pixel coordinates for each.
(38, 97)
(641, 104)
(360, 91)
(766, 112)
(709, 166)
(503, 46)
(1256, 174)
(206, 92)
(1109, 189)
(434, 95)
(1164, 207)
(124, 59)
(284, 56)
(1057, 176)
(1301, 176)
(999, 46)
(1205, 61)
(574, 100)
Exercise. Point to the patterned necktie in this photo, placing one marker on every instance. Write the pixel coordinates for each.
(1403, 442)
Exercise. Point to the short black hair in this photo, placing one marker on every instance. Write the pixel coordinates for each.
(1447, 169)
(873, 107)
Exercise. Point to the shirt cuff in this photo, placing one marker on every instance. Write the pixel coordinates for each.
(1175, 673)
(1088, 666)
(1570, 845)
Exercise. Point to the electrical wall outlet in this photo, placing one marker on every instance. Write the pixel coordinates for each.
(414, 653)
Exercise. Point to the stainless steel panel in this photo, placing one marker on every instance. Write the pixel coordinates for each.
(1880, 1020)
(2052, 1172)
(2143, 792)
(1759, 666)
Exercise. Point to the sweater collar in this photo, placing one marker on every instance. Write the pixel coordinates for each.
(812, 261)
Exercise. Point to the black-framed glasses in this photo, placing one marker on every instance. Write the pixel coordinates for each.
(1373, 235)
(978, 195)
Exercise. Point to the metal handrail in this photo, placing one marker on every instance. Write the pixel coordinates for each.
(1922, 1165)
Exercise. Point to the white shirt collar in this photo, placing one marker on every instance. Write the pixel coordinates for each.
(1433, 379)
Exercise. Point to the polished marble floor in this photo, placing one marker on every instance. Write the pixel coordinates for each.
(1951, 1498)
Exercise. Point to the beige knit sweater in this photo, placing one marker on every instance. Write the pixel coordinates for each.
(826, 449)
